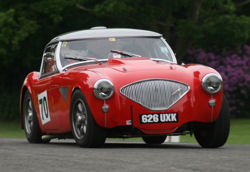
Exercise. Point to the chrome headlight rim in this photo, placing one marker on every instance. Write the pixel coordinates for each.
(204, 83)
(97, 89)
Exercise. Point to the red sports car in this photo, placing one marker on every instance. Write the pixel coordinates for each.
(121, 83)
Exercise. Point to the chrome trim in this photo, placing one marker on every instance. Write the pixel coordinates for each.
(159, 95)
(96, 88)
(211, 74)
(170, 50)
(58, 61)
(40, 71)
(83, 62)
(206, 77)
(56, 55)
(60, 68)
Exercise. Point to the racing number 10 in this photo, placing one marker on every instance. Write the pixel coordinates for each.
(43, 107)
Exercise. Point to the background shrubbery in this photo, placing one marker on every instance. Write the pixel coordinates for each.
(9, 103)
(235, 71)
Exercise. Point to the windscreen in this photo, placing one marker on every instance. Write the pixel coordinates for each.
(100, 48)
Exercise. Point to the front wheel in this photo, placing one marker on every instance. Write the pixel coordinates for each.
(213, 135)
(84, 128)
(154, 139)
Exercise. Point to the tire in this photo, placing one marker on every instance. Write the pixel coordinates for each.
(84, 128)
(214, 135)
(154, 139)
(31, 125)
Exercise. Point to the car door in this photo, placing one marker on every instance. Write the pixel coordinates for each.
(45, 89)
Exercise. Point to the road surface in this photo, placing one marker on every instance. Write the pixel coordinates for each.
(17, 155)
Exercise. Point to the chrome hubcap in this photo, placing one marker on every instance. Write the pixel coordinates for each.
(79, 119)
(28, 116)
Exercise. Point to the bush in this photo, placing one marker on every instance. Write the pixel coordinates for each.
(9, 103)
(235, 71)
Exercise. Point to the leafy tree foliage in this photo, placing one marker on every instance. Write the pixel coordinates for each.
(209, 24)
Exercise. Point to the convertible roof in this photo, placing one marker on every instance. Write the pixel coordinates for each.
(103, 32)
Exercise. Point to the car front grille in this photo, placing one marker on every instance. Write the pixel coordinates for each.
(155, 94)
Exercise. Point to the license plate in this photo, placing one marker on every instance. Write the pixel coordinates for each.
(159, 118)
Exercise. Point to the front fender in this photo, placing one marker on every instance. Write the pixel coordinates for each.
(26, 86)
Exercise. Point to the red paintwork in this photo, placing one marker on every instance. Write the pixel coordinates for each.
(192, 107)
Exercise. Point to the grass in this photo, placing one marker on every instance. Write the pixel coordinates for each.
(11, 130)
(239, 133)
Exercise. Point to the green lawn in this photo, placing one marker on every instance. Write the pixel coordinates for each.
(239, 134)
(11, 130)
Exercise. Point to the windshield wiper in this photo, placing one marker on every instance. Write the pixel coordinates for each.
(124, 53)
(83, 59)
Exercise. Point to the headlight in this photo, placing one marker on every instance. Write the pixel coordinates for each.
(212, 83)
(103, 89)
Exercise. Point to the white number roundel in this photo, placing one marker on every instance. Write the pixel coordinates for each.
(43, 107)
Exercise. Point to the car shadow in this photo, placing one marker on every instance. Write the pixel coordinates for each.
(154, 146)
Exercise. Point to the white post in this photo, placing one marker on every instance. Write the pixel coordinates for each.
(172, 139)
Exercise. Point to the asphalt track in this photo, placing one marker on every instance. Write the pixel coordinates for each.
(17, 155)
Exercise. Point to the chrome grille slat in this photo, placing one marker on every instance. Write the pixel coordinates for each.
(156, 94)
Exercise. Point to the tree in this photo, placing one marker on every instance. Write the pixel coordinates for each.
(209, 24)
